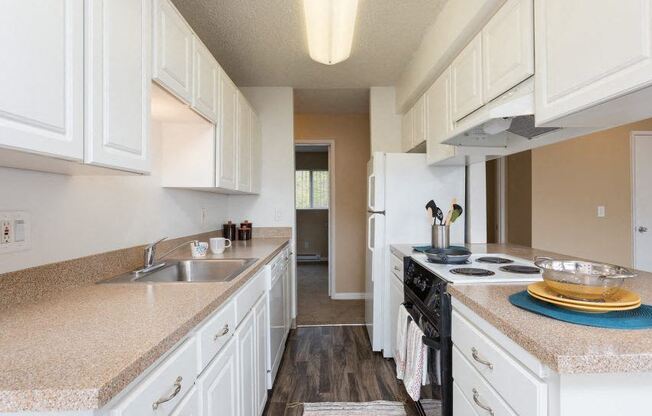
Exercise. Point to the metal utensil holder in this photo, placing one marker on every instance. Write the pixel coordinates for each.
(440, 236)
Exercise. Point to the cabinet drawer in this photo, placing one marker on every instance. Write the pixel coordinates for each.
(482, 397)
(215, 333)
(461, 406)
(248, 296)
(525, 393)
(171, 379)
(396, 264)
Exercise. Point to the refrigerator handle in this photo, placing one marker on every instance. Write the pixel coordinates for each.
(371, 217)
(371, 191)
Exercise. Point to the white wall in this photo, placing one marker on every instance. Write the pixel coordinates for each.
(453, 28)
(385, 124)
(476, 203)
(75, 216)
(274, 207)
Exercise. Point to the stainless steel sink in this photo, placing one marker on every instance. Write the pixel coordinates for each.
(213, 270)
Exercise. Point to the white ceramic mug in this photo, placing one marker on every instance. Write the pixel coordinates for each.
(219, 244)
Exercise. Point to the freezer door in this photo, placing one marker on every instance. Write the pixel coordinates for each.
(374, 279)
(376, 183)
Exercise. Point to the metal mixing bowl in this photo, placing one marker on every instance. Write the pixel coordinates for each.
(582, 280)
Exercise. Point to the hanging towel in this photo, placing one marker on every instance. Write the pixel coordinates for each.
(401, 341)
(415, 362)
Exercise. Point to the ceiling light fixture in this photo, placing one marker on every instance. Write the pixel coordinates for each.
(330, 25)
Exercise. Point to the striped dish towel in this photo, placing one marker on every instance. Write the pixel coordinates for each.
(401, 341)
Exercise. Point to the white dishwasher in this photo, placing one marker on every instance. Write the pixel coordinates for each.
(277, 325)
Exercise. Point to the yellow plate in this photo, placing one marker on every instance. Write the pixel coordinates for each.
(583, 308)
(621, 298)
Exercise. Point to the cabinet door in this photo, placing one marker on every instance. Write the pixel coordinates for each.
(262, 344)
(246, 336)
(588, 52)
(190, 405)
(172, 50)
(244, 144)
(407, 128)
(118, 79)
(226, 141)
(395, 300)
(41, 77)
(220, 383)
(256, 153)
(438, 120)
(466, 80)
(205, 81)
(419, 122)
(287, 275)
(508, 48)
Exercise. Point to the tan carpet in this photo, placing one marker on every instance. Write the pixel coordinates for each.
(315, 307)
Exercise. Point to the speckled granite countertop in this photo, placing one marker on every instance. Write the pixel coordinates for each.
(80, 348)
(564, 347)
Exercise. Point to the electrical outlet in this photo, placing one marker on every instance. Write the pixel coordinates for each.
(14, 231)
(602, 211)
(6, 231)
(278, 214)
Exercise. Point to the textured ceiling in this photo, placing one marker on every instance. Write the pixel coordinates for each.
(263, 42)
(331, 101)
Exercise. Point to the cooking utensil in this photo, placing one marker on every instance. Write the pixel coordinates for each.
(582, 280)
(450, 255)
(457, 211)
(431, 208)
(440, 216)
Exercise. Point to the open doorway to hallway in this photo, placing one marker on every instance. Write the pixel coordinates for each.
(315, 219)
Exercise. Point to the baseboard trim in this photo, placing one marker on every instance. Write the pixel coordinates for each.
(348, 296)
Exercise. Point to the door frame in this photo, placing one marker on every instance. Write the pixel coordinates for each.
(632, 155)
(330, 145)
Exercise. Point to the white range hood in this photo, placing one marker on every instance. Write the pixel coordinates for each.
(507, 125)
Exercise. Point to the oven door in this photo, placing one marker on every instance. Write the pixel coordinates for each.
(430, 402)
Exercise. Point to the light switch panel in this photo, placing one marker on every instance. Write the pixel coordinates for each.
(602, 211)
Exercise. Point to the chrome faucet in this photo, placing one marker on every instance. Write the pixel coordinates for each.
(149, 256)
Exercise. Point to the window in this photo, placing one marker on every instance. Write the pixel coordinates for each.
(312, 189)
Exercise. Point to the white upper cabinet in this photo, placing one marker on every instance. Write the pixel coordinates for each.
(419, 122)
(508, 48)
(407, 129)
(226, 145)
(256, 153)
(205, 85)
(41, 77)
(244, 145)
(466, 80)
(588, 52)
(118, 79)
(173, 43)
(438, 119)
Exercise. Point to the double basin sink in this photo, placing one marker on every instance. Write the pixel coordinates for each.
(188, 271)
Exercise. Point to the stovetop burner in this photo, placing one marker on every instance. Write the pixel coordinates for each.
(472, 271)
(519, 268)
(494, 260)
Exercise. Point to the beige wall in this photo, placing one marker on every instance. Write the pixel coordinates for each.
(519, 199)
(352, 151)
(569, 180)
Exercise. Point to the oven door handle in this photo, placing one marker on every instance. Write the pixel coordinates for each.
(432, 342)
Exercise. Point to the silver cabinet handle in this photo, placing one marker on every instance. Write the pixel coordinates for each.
(642, 229)
(177, 389)
(476, 399)
(223, 332)
(476, 356)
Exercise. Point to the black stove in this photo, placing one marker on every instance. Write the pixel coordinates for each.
(519, 268)
(493, 260)
(472, 271)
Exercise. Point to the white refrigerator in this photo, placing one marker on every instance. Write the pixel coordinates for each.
(398, 187)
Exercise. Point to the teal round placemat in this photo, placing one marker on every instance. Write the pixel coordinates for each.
(640, 318)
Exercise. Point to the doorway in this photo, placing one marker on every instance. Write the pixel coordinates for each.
(641, 154)
(315, 222)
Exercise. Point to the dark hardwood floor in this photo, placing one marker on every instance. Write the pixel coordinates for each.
(333, 364)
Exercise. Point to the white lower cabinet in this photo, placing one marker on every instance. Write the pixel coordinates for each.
(246, 339)
(461, 406)
(395, 300)
(220, 382)
(262, 345)
(190, 405)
